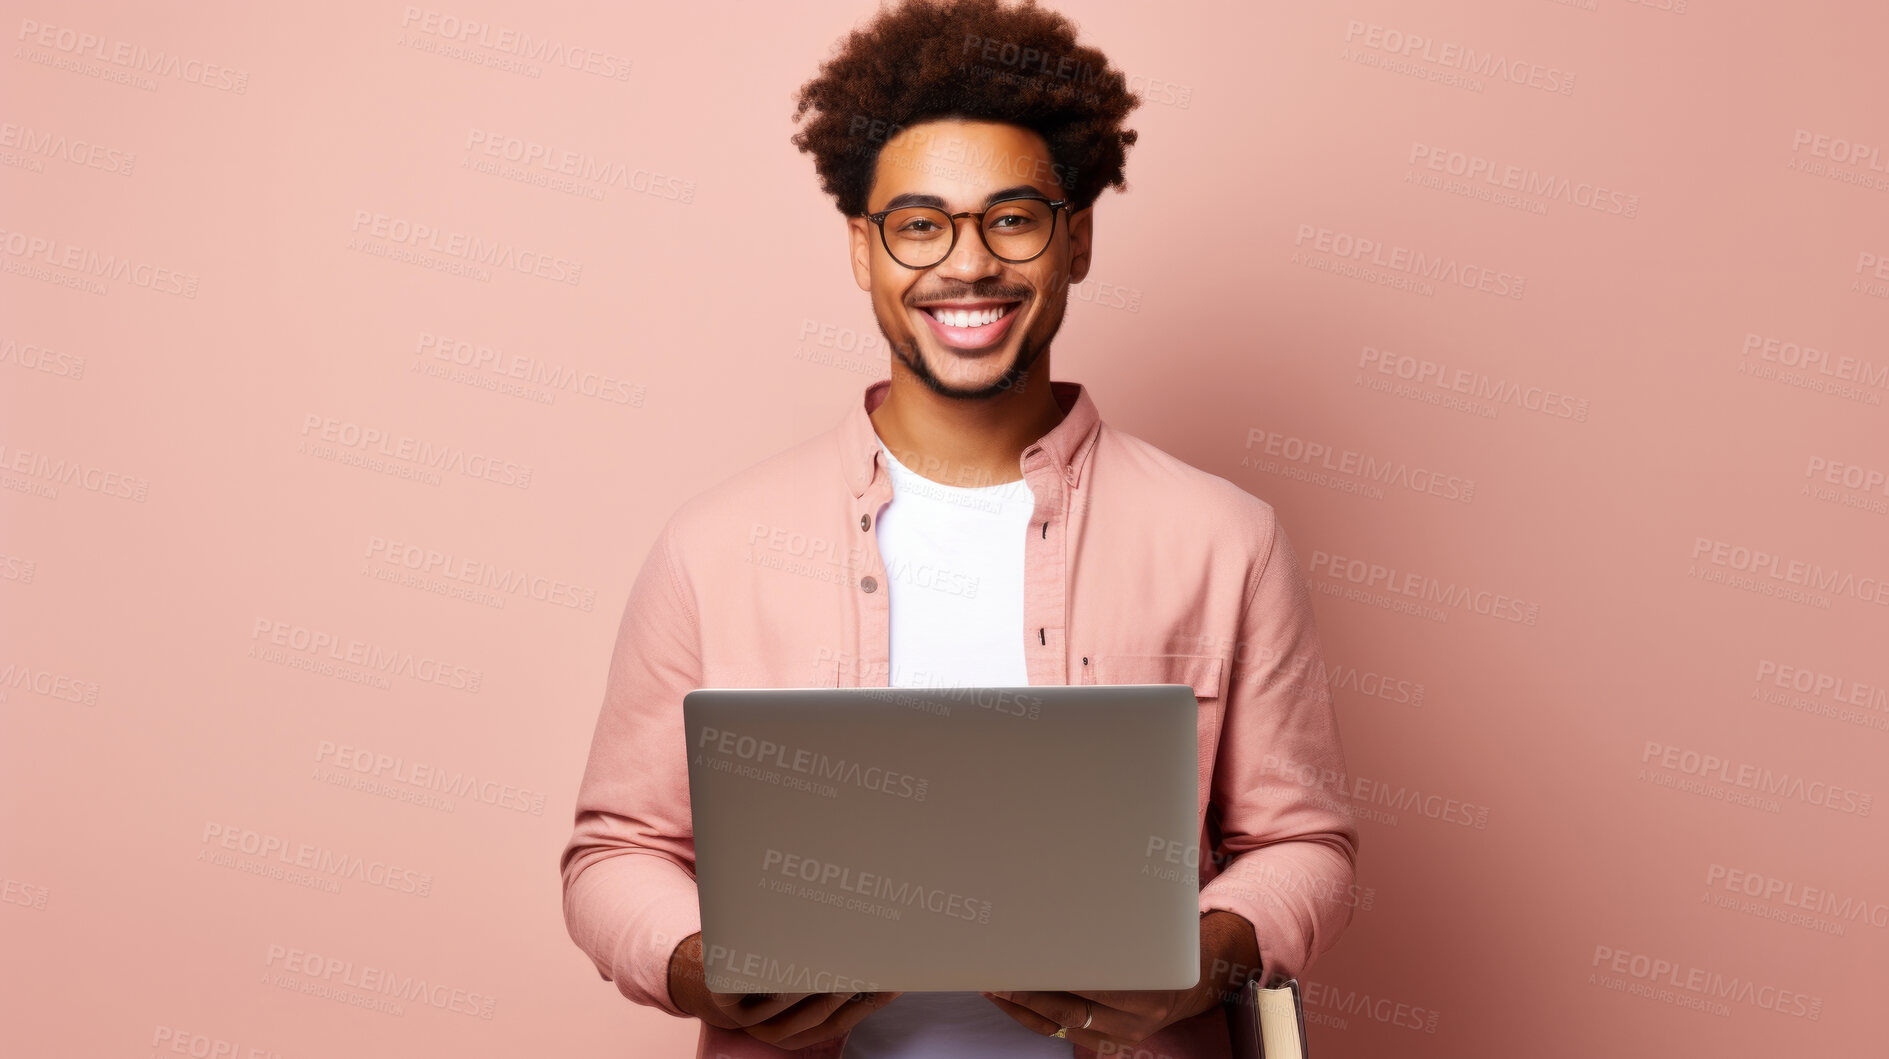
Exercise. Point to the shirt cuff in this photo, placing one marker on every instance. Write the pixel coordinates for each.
(629, 912)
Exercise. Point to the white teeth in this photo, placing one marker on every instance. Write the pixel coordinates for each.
(969, 317)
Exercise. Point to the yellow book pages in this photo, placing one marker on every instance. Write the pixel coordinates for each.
(1279, 1024)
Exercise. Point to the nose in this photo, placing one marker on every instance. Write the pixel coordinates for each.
(969, 258)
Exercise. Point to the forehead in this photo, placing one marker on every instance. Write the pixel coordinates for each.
(962, 162)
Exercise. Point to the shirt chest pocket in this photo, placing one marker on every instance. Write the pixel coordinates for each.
(1204, 673)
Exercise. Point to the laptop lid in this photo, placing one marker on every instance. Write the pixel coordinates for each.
(1009, 838)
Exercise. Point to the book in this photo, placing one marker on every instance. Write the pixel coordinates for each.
(1269, 1023)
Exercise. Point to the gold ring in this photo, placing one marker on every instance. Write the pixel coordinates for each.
(1061, 1031)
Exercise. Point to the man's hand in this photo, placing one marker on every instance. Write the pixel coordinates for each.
(785, 1020)
(1229, 955)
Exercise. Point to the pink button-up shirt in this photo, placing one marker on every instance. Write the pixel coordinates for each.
(1139, 569)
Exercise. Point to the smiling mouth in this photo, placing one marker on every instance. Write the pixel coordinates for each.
(970, 326)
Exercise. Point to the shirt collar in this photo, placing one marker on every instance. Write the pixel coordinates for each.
(1067, 445)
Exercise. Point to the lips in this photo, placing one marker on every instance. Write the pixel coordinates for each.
(970, 326)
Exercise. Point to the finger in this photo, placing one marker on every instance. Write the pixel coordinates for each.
(1117, 1011)
(820, 1008)
(1030, 1018)
(1044, 1002)
(1072, 1009)
(749, 1008)
(841, 1021)
(1050, 1004)
(758, 999)
(1116, 1002)
(810, 1011)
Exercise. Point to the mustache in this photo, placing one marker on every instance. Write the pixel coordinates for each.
(971, 293)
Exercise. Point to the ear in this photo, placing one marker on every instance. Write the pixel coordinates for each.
(1081, 238)
(859, 233)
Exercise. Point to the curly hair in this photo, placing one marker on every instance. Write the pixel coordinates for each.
(975, 60)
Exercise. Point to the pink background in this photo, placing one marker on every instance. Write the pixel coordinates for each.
(180, 493)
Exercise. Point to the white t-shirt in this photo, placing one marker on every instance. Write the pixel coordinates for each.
(954, 566)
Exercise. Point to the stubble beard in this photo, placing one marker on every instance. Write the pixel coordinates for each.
(1028, 351)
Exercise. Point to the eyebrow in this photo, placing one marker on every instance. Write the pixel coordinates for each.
(914, 198)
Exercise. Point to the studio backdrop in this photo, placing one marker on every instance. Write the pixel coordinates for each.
(351, 356)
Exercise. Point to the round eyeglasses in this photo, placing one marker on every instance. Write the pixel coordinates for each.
(1014, 230)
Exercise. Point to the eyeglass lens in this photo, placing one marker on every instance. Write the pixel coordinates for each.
(920, 236)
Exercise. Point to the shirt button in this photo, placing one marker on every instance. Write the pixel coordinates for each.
(868, 584)
(865, 522)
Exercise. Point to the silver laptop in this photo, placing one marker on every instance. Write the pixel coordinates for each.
(999, 838)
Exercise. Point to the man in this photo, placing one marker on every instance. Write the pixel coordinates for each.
(1073, 553)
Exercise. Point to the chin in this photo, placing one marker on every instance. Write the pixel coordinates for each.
(970, 373)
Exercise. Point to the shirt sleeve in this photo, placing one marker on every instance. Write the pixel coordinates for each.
(629, 867)
(1288, 842)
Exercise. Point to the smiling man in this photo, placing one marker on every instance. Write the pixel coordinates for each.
(971, 523)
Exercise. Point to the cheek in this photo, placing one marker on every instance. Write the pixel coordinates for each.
(889, 293)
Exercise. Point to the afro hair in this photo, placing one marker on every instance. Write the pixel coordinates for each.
(976, 60)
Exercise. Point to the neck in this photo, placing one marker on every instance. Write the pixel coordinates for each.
(965, 442)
